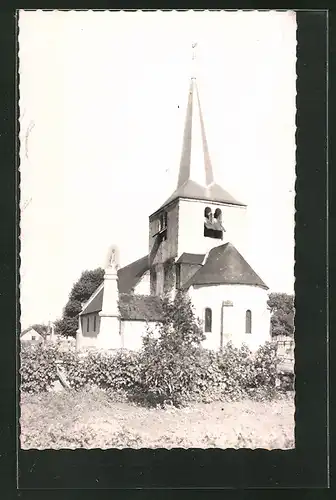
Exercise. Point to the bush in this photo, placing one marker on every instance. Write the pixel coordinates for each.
(265, 366)
(118, 371)
(175, 369)
(286, 381)
(74, 368)
(169, 364)
(167, 377)
(37, 367)
(235, 373)
(169, 370)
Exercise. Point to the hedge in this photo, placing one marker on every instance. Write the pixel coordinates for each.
(152, 377)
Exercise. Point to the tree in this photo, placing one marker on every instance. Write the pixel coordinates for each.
(169, 360)
(80, 292)
(180, 329)
(281, 306)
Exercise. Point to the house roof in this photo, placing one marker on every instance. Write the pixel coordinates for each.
(95, 305)
(140, 307)
(196, 177)
(191, 258)
(225, 265)
(193, 191)
(36, 329)
(131, 306)
(26, 330)
(129, 276)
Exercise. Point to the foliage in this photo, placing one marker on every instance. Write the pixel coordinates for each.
(175, 369)
(67, 326)
(167, 362)
(281, 306)
(285, 381)
(118, 371)
(236, 372)
(265, 366)
(81, 292)
(37, 367)
(169, 370)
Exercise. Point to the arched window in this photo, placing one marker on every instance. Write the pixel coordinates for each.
(248, 321)
(161, 227)
(213, 223)
(218, 226)
(207, 320)
(208, 230)
(218, 214)
(208, 214)
(163, 222)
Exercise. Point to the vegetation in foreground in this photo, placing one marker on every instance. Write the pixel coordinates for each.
(171, 368)
(173, 393)
(97, 419)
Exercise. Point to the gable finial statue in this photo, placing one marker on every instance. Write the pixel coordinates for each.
(113, 257)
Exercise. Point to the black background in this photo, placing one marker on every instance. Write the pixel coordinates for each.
(304, 467)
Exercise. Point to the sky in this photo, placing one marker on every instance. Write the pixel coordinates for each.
(102, 108)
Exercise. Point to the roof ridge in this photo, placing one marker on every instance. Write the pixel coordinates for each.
(132, 263)
(217, 270)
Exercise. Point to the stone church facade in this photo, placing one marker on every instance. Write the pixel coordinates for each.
(193, 240)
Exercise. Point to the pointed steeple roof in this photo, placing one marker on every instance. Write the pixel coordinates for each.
(196, 177)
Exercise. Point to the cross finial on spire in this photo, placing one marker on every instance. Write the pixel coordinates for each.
(194, 45)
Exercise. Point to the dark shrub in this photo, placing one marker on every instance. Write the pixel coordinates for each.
(169, 367)
(37, 367)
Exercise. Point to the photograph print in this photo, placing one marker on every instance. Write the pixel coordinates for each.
(157, 188)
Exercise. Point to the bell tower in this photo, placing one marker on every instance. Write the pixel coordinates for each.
(200, 214)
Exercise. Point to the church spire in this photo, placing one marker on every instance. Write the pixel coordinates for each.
(196, 177)
(193, 72)
(195, 161)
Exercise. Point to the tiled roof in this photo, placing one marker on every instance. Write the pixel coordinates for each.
(191, 258)
(193, 191)
(35, 328)
(26, 330)
(129, 276)
(225, 265)
(95, 305)
(131, 307)
(140, 307)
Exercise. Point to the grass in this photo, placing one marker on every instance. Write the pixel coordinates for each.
(92, 419)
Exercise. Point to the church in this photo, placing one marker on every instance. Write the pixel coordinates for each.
(192, 245)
